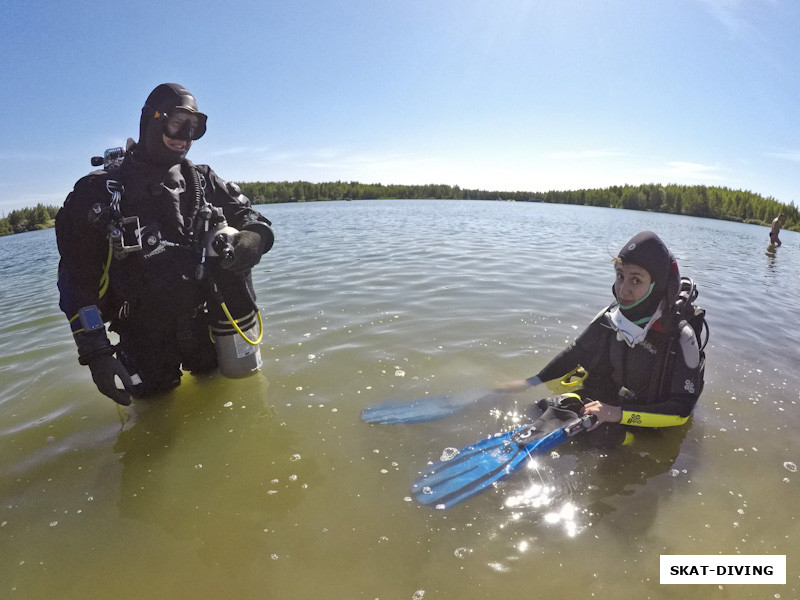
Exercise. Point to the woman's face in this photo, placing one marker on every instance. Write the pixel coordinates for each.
(632, 283)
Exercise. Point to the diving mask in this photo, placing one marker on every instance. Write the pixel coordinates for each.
(183, 124)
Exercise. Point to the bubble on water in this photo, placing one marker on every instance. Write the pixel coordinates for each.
(292, 477)
(674, 472)
(448, 454)
(790, 466)
(53, 523)
(312, 356)
(228, 404)
(274, 557)
(462, 552)
(427, 491)
(418, 595)
(399, 373)
(294, 457)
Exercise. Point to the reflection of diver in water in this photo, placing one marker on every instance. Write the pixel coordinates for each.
(188, 468)
(771, 254)
(617, 481)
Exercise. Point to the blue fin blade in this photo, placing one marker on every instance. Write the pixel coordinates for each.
(478, 467)
(392, 412)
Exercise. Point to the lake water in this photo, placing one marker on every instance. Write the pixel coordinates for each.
(271, 487)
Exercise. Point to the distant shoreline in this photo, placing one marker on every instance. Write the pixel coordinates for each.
(696, 201)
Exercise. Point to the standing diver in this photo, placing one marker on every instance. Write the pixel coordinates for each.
(156, 245)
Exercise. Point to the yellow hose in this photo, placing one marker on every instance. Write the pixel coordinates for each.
(233, 322)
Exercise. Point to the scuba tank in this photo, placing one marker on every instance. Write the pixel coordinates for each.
(235, 324)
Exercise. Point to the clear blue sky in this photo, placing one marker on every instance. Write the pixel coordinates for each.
(498, 94)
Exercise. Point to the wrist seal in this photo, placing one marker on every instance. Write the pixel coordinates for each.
(92, 344)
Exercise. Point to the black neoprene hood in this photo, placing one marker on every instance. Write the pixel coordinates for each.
(647, 250)
(162, 99)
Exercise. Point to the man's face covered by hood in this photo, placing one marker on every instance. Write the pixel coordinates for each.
(170, 111)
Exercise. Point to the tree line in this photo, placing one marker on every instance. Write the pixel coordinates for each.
(28, 219)
(698, 201)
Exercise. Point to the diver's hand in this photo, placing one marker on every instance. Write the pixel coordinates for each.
(605, 413)
(246, 252)
(249, 245)
(104, 368)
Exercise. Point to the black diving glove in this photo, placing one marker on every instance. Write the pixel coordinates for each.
(248, 247)
(104, 368)
(96, 351)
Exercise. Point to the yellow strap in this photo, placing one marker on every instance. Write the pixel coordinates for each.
(104, 277)
(70, 322)
(571, 381)
(640, 419)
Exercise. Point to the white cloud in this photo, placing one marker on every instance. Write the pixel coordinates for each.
(582, 154)
(788, 155)
(688, 173)
(733, 14)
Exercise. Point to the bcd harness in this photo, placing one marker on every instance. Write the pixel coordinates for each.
(204, 236)
(683, 312)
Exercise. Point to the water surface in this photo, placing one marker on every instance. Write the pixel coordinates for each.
(271, 487)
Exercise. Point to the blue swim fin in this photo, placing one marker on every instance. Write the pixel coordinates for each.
(479, 466)
(392, 412)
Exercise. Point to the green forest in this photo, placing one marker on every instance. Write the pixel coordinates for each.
(28, 219)
(698, 201)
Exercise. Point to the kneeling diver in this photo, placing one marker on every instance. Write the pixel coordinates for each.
(642, 353)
